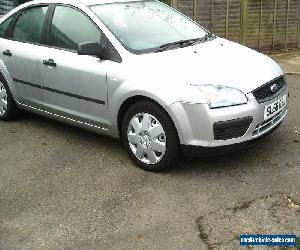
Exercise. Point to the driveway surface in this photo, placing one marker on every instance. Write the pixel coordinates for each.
(65, 188)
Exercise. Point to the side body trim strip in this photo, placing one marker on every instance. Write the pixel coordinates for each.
(60, 92)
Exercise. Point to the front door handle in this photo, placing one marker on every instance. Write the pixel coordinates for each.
(7, 53)
(49, 62)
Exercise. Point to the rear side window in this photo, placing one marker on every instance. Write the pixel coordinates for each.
(29, 25)
(70, 28)
(4, 26)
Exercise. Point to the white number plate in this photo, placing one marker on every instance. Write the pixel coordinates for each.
(275, 107)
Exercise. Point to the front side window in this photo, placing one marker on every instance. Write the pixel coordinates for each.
(70, 28)
(145, 25)
(4, 26)
(29, 25)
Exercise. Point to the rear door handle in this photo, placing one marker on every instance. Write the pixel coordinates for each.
(7, 53)
(49, 62)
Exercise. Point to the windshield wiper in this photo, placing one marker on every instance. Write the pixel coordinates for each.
(183, 43)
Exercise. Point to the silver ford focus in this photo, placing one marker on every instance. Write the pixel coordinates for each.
(140, 71)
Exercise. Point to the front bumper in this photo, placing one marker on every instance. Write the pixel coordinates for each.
(195, 124)
(198, 151)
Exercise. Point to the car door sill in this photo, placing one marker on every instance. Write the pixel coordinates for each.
(63, 117)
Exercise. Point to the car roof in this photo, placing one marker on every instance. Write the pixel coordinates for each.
(94, 2)
(85, 2)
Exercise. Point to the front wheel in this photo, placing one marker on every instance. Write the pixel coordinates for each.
(150, 137)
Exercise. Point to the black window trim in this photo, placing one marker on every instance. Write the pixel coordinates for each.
(11, 25)
(49, 23)
(5, 33)
(46, 23)
(9, 33)
(47, 26)
(44, 35)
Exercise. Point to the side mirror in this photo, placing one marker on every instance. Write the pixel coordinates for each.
(90, 49)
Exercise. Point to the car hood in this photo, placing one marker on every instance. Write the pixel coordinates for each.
(217, 61)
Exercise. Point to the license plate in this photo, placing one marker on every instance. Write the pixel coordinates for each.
(274, 108)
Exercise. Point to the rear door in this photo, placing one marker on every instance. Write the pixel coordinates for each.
(20, 53)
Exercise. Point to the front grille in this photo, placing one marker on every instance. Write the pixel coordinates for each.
(264, 93)
(231, 129)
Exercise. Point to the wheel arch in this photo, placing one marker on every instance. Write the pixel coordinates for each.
(5, 76)
(131, 101)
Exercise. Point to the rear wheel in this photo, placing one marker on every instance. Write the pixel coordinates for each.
(8, 108)
(150, 137)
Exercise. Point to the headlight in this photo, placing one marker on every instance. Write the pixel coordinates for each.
(221, 96)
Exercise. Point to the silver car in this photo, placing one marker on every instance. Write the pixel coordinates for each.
(140, 71)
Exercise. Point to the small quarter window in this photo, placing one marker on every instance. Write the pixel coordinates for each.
(5, 25)
(29, 25)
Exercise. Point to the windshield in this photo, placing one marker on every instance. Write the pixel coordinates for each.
(144, 26)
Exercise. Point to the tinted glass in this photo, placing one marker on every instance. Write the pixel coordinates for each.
(70, 28)
(29, 26)
(143, 25)
(4, 26)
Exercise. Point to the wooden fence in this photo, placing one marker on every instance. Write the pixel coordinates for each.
(260, 24)
(5, 6)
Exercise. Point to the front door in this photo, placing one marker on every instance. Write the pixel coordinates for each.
(72, 85)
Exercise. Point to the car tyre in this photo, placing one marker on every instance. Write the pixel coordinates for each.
(8, 107)
(150, 136)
